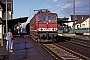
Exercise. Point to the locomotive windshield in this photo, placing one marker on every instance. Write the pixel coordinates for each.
(46, 18)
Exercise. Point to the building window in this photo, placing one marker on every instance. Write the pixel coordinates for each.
(83, 25)
(77, 26)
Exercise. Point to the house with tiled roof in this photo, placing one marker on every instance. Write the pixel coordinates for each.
(82, 21)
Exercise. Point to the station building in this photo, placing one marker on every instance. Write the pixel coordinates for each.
(3, 16)
(10, 21)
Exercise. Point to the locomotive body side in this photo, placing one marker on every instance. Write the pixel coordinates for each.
(33, 27)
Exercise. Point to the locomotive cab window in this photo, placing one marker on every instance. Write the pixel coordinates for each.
(41, 18)
(46, 18)
(51, 18)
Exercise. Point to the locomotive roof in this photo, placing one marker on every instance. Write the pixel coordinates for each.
(43, 11)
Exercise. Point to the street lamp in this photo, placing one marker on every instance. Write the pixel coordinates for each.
(6, 18)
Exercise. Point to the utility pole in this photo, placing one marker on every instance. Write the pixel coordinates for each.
(6, 18)
(89, 19)
(73, 15)
(74, 8)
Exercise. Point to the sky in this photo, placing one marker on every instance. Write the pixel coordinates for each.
(64, 8)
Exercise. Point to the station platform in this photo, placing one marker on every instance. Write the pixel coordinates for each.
(26, 49)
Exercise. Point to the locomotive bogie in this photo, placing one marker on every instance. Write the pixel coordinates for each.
(47, 35)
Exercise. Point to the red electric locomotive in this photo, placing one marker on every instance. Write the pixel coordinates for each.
(44, 26)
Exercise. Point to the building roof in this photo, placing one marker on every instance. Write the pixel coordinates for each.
(64, 20)
(9, 5)
(2, 6)
(79, 18)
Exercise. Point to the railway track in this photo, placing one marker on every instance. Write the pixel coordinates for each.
(80, 47)
(62, 52)
(59, 53)
(84, 43)
(81, 43)
(73, 50)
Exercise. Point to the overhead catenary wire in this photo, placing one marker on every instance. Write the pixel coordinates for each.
(41, 4)
(62, 5)
(28, 8)
(32, 9)
(35, 4)
(38, 6)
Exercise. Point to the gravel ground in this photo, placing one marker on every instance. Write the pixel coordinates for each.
(75, 36)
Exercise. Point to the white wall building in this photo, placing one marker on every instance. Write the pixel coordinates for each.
(70, 23)
(82, 21)
(84, 24)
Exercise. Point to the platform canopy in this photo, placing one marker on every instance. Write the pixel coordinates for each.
(15, 21)
(64, 20)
